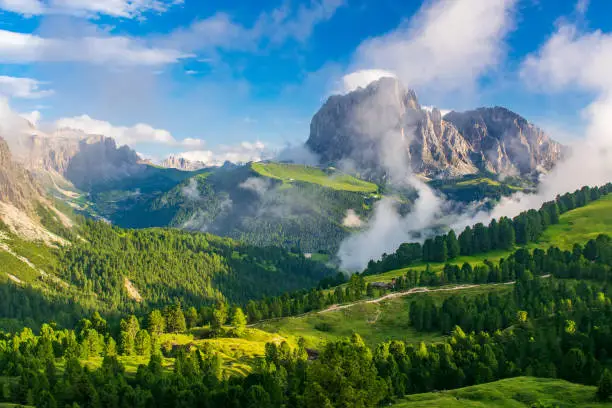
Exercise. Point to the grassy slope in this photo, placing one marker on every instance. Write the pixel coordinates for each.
(580, 225)
(375, 322)
(513, 392)
(576, 226)
(294, 172)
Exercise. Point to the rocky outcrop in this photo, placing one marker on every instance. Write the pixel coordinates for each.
(382, 131)
(180, 163)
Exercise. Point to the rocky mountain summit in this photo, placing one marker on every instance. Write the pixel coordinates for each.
(382, 131)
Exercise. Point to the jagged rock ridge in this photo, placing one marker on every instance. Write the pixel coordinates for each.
(382, 129)
(180, 163)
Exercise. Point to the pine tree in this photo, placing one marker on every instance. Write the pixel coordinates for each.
(156, 324)
(604, 388)
(452, 244)
(175, 319)
(238, 321)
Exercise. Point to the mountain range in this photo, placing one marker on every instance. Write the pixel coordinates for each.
(382, 129)
(378, 133)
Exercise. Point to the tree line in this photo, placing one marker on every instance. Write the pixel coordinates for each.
(591, 261)
(557, 329)
(500, 234)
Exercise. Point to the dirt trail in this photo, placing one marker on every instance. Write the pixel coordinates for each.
(393, 295)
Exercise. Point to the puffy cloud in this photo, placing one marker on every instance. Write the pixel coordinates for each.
(137, 134)
(573, 61)
(448, 43)
(21, 48)
(27, 88)
(92, 8)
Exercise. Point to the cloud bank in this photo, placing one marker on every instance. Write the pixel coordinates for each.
(449, 43)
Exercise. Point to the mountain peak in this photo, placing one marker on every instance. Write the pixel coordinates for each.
(370, 125)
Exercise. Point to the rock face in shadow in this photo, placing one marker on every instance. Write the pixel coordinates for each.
(382, 130)
(84, 160)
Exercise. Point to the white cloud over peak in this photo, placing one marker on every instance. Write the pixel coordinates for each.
(88, 8)
(21, 48)
(27, 88)
(361, 79)
(140, 133)
(448, 43)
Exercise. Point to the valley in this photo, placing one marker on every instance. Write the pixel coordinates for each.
(125, 282)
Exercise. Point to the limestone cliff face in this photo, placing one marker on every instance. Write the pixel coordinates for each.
(382, 129)
(507, 142)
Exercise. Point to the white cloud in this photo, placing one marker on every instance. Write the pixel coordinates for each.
(123, 51)
(25, 7)
(361, 79)
(242, 153)
(32, 117)
(448, 43)
(88, 8)
(220, 31)
(134, 135)
(573, 61)
(26, 88)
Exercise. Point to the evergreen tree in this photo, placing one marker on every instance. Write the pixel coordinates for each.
(452, 243)
(219, 317)
(604, 388)
(175, 319)
(156, 323)
(239, 321)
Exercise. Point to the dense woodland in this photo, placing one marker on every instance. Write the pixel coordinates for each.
(545, 327)
(164, 266)
(503, 233)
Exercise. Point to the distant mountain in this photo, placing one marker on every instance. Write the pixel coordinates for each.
(180, 163)
(382, 129)
(85, 160)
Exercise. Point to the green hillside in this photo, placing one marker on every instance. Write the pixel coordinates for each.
(510, 393)
(576, 226)
(261, 204)
(289, 173)
(374, 321)
(479, 186)
(580, 225)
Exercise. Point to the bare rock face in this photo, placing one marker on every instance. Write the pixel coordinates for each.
(17, 186)
(507, 142)
(382, 131)
(180, 163)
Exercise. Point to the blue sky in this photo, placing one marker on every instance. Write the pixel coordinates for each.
(223, 75)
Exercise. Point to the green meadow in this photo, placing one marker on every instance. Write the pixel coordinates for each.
(510, 393)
